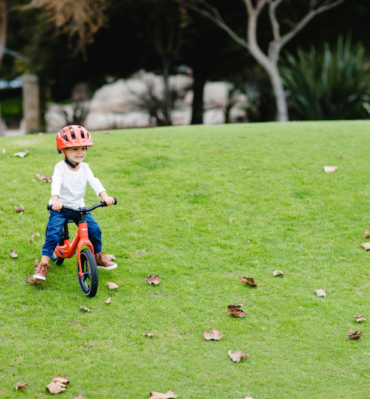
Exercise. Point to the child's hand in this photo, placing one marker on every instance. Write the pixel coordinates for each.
(57, 206)
(109, 200)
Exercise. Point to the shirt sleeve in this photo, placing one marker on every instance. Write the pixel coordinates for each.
(57, 180)
(94, 181)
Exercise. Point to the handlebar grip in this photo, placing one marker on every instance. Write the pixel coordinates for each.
(105, 204)
(50, 207)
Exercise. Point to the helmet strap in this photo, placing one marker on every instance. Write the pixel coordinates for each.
(72, 165)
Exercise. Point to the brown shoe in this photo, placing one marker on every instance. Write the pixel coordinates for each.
(103, 263)
(41, 271)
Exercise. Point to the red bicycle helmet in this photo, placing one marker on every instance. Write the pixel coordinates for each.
(73, 136)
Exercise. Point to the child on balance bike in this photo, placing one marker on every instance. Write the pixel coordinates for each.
(68, 188)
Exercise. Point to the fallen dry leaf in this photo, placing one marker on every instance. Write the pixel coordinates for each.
(234, 310)
(359, 318)
(278, 273)
(21, 386)
(57, 385)
(19, 208)
(153, 279)
(366, 353)
(340, 157)
(218, 151)
(366, 245)
(149, 335)
(32, 280)
(85, 309)
(107, 301)
(110, 257)
(158, 395)
(13, 254)
(21, 154)
(237, 356)
(248, 281)
(230, 219)
(78, 397)
(37, 234)
(367, 234)
(330, 169)
(354, 335)
(44, 178)
(320, 292)
(107, 132)
(212, 334)
(32, 238)
(111, 286)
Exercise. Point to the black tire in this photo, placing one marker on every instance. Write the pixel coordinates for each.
(56, 259)
(90, 280)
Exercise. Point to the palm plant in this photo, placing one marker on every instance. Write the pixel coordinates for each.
(329, 84)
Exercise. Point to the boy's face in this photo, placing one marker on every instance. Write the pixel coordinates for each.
(76, 154)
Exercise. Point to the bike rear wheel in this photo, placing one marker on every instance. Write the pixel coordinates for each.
(90, 280)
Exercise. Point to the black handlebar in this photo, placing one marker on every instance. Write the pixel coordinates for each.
(84, 209)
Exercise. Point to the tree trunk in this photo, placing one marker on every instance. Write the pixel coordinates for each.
(199, 81)
(3, 21)
(279, 93)
(167, 92)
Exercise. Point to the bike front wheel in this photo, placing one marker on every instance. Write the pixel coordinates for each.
(90, 280)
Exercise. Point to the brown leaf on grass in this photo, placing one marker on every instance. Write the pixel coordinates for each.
(359, 318)
(58, 384)
(366, 245)
(78, 397)
(107, 132)
(32, 238)
(158, 395)
(366, 234)
(33, 281)
(13, 254)
(278, 273)
(21, 386)
(107, 301)
(217, 151)
(212, 334)
(19, 208)
(111, 286)
(237, 356)
(321, 292)
(354, 335)
(110, 257)
(248, 281)
(85, 309)
(234, 310)
(44, 178)
(366, 353)
(153, 279)
(330, 169)
(340, 157)
(149, 335)
(21, 154)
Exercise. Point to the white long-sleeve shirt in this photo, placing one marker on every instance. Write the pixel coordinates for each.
(70, 185)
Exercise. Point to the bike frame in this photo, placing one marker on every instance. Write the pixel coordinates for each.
(81, 239)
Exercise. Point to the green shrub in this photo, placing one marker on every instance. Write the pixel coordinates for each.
(329, 84)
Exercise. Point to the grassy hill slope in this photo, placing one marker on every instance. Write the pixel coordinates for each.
(200, 206)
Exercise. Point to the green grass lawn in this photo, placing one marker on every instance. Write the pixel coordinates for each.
(175, 200)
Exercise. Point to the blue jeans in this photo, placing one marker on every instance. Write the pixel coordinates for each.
(55, 229)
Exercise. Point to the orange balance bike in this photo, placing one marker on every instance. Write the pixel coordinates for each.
(87, 270)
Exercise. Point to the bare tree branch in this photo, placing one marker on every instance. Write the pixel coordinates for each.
(214, 16)
(305, 20)
(274, 22)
